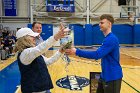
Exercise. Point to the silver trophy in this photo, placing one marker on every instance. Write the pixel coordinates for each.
(66, 42)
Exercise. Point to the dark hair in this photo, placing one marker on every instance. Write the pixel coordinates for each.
(108, 17)
(35, 23)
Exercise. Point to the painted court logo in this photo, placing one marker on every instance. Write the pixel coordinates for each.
(73, 82)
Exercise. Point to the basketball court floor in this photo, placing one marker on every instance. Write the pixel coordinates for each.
(75, 76)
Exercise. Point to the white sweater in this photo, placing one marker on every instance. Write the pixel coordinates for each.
(29, 54)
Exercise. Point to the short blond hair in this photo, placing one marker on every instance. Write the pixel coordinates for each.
(23, 43)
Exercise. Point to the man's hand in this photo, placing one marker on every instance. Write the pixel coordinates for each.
(71, 51)
(65, 46)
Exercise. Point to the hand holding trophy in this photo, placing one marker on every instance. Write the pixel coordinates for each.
(66, 43)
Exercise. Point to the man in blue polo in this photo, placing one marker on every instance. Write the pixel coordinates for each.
(108, 52)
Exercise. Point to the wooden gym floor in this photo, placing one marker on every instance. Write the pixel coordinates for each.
(130, 61)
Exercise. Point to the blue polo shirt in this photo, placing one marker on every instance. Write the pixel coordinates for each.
(110, 58)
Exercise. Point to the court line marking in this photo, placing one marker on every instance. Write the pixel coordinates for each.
(131, 86)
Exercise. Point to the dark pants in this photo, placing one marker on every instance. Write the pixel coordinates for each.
(109, 87)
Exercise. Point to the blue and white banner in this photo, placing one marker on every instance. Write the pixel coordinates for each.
(58, 8)
(10, 7)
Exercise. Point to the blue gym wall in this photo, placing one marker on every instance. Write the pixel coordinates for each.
(136, 34)
(124, 32)
(88, 34)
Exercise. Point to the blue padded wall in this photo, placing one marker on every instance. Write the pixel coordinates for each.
(29, 26)
(97, 35)
(47, 30)
(88, 35)
(124, 32)
(79, 38)
(136, 30)
(91, 34)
